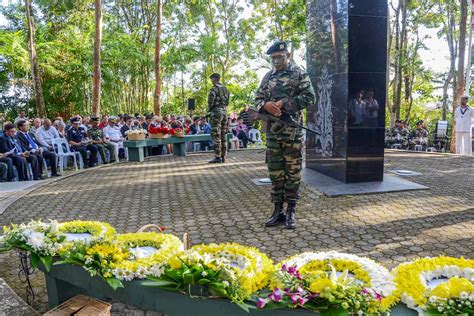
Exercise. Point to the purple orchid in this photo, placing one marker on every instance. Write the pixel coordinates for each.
(276, 295)
(302, 300)
(261, 303)
(294, 298)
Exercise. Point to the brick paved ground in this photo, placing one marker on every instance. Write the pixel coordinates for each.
(218, 203)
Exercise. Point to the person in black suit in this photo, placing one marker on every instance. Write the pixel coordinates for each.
(12, 150)
(9, 163)
(29, 143)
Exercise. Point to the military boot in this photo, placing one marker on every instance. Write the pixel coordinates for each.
(223, 159)
(290, 221)
(277, 217)
(216, 160)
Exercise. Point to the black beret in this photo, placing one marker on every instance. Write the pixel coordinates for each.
(278, 46)
(215, 75)
(75, 120)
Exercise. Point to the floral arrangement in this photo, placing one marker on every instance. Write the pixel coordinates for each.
(437, 285)
(136, 132)
(85, 231)
(159, 129)
(331, 281)
(225, 270)
(98, 258)
(41, 240)
(178, 132)
(148, 252)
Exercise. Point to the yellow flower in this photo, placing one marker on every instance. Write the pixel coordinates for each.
(174, 263)
(452, 288)
(321, 284)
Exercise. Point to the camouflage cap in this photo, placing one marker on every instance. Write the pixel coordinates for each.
(278, 46)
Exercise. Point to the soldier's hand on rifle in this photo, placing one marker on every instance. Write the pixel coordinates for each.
(272, 108)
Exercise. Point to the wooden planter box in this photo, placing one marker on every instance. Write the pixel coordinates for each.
(66, 280)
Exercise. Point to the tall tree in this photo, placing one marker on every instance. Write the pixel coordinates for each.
(35, 71)
(97, 45)
(460, 71)
(157, 94)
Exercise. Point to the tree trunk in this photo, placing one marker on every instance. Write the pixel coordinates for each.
(460, 70)
(35, 72)
(156, 96)
(97, 44)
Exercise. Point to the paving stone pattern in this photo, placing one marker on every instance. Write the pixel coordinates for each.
(219, 203)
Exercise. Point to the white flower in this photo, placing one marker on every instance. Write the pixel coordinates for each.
(464, 295)
(54, 227)
(226, 283)
(204, 273)
(157, 270)
(440, 308)
(141, 273)
(88, 260)
(36, 240)
(433, 299)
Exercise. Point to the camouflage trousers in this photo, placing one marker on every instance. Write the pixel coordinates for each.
(284, 161)
(219, 128)
(101, 148)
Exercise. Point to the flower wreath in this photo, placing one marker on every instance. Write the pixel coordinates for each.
(146, 250)
(252, 267)
(441, 284)
(41, 240)
(363, 271)
(85, 231)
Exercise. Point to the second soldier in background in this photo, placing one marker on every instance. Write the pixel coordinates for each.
(286, 90)
(218, 101)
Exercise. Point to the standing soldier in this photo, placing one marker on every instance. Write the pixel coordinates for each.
(97, 136)
(218, 101)
(285, 90)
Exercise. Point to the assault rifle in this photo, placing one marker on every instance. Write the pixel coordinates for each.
(285, 120)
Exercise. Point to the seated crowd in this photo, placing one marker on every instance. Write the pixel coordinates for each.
(27, 146)
(400, 137)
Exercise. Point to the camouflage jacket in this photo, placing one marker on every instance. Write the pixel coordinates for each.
(420, 132)
(218, 97)
(293, 86)
(95, 133)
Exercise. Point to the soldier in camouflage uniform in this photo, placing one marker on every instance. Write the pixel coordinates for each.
(420, 135)
(218, 101)
(285, 90)
(97, 136)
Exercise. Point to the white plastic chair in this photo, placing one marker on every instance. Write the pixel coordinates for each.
(255, 137)
(63, 151)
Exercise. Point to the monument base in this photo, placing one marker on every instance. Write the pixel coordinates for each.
(332, 187)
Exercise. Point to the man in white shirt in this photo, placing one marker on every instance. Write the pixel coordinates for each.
(463, 116)
(113, 136)
(20, 117)
(45, 134)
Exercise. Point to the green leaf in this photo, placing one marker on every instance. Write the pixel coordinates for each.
(5, 248)
(188, 277)
(157, 283)
(47, 262)
(114, 283)
(35, 260)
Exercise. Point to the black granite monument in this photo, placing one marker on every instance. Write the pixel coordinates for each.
(346, 59)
